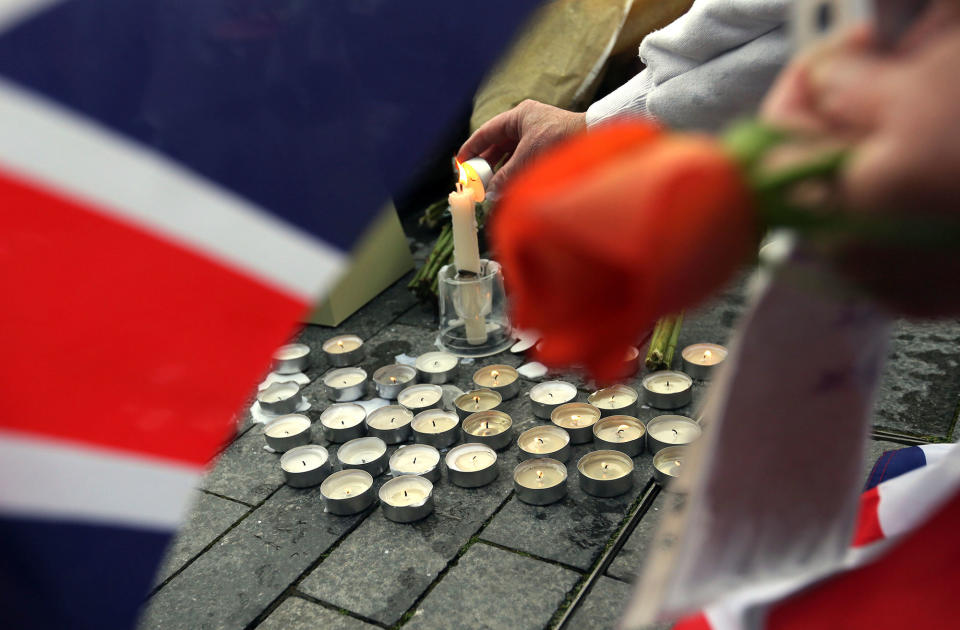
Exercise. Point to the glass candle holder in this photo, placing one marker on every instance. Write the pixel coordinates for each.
(473, 311)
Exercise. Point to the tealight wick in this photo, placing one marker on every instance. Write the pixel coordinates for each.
(421, 399)
(486, 425)
(436, 364)
(393, 379)
(540, 439)
(344, 381)
(495, 374)
(342, 422)
(404, 493)
(675, 432)
(550, 394)
(476, 402)
(414, 460)
(347, 491)
(434, 423)
(303, 461)
(539, 474)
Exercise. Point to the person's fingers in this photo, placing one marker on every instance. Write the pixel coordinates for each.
(493, 155)
(851, 90)
(503, 131)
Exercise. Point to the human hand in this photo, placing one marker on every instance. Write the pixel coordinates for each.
(523, 131)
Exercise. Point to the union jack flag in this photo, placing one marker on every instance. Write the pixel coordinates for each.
(179, 180)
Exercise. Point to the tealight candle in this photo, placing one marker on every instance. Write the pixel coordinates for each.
(345, 384)
(618, 400)
(667, 389)
(406, 499)
(344, 350)
(502, 379)
(540, 481)
(291, 358)
(668, 464)
(280, 398)
(476, 400)
(391, 424)
(343, 421)
(545, 441)
(416, 459)
(701, 360)
(471, 465)
(366, 453)
(664, 431)
(436, 427)
(493, 428)
(547, 396)
(620, 433)
(605, 473)
(577, 419)
(390, 379)
(347, 492)
(286, 432)
(437, 367)
(419, 398)
(305, 466)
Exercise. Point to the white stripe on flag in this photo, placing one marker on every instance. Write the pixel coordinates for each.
(51, 145)
(908, 500)
(52, 480)
(12, 12)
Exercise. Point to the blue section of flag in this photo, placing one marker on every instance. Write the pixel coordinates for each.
(895, 463)
(316, 111)
(66, 575)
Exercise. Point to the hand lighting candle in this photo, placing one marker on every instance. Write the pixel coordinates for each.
(620, 433)
(577, 419)
(668, 464)
(391, 379)
(280, 398)
(366, 453)
(291, 358)
(407, 499)
(437, 367)
(493, 428)
(344, 350)
(391, 423)
(419, 398)
(436, 427)
(286, 432)
(664, 431)
(545, 441)
(476, 400)
(466, 256)
(667, 389)
(343, 422)
(502, 379)
(618, 400)
(345, 384)
(416, 459)
(347, 492)
(540, 481)
(547, 396)
(305, 466)
(701, 360)
(471, 465)
(605, 473)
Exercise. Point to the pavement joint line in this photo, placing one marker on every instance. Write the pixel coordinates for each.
(337, 609)
(527, 554)
(475, 538)
(292, 588)
(223, 496)
(615, 543)
(902, 438)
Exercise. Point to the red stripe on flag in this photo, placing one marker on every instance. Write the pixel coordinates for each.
(113, 336)
(868, 528)
(912, 586)
(693, 622)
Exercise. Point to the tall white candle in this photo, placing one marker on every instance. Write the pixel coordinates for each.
(466, 257)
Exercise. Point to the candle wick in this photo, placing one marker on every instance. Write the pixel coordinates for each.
(421, 399)
(363, 461)
(392, 420)
(434, 423)
(540, 440)
(414, 460)
(539, 474)
(550, 394)
(675, 432)
(436, 364)
(303, 462)
(404, 493)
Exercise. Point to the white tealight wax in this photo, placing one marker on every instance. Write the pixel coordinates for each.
(343, 415)
(434, 421)
(605, 465)
(414, 459)
(575, 415)
(478, 400)
(615, 397)
(471, 457)
(406, 491)
(705, 353)
(342, 343)
(346, 484)
(278, 391)
(420, 396)
(304, 459)
(674, 429)
(389, 417)
(618, 430)
(540, 473)
(543, 439)
(361, 451)
(553, 392)
(287, 426)
(667, 382)
(487, 423)
(344, 377)
(436, 362)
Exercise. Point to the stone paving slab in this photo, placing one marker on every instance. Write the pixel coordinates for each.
(490, 588)
(296, 613)
(576, 529)
(232, 583)
(245, 471)
(603, 606)
(210, 516)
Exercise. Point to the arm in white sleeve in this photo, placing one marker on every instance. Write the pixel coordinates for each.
(709, 66)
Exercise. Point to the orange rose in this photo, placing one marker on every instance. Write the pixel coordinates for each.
(609, 231)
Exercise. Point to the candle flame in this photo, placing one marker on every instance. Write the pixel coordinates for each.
(621, 429)
(539, 474)
(476, 402)
(393, 379)
(706, 354)
(340, 344)
(495, 374)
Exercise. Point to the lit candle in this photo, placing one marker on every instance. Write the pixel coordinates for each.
(406, 499)
(419, 398)
(471, 465)
(619, 433)
(416, 459)
(605, 473)
(344, 350)
(345, 384)
(476, 400)
(437, 367)
(547, 396)
(668, 464)
(466, 258)
(577, 419)
(436, 427)
(287, 432)
(280, 398)
(343, 421)
(390, 379)
(291, 358)
(366, 453)
(347, 492)
(492, 428)
(667, 389)
(618, 400)
(540, 481)
(502, 379)
(701, 360)
(664, 431)
(305, 466)
(545, 441)
(391, 423)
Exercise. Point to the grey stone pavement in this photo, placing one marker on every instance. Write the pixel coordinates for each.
(258, 554)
